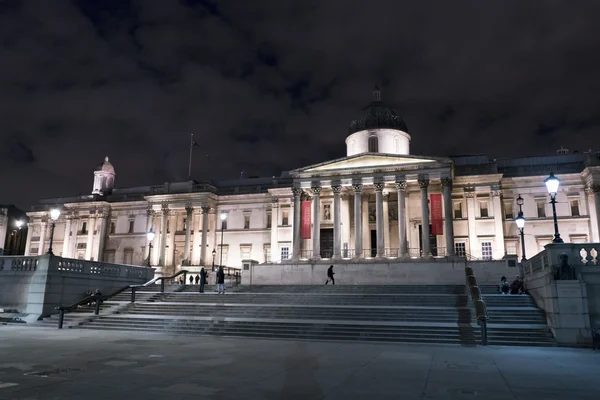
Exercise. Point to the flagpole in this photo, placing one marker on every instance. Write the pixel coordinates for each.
(190, 163)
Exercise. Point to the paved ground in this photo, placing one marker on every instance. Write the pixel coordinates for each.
(76, 364)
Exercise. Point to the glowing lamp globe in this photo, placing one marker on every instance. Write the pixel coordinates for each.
(552, 183)
(223, 216)
(150, 235)
(520, 221)
(54, 214)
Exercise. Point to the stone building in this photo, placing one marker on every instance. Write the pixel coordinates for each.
(369, 204)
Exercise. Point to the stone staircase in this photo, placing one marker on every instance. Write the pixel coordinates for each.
(406, 313)
(514, 320)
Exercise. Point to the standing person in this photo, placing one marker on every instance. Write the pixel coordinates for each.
(202, 279)
(181, 280)
(220, 281)
(191, 280)
(330, 274)
(197, 279)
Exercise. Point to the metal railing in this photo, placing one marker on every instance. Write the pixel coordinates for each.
(478, 303)
(98, 299)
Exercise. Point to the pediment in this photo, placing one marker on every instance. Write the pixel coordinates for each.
(371, 161)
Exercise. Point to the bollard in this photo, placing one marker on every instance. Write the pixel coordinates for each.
(97, 311)
(61, 318)
(484, 339)
(133, 294)
(162, 285)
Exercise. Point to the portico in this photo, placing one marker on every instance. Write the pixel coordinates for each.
(362, 201)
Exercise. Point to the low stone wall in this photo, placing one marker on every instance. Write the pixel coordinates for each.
(37, 285)
(377, 272)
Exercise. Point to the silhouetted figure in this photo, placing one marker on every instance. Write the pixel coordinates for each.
(220, 281)
(181, 280)
(197, 279)
(517, 286)
(504, 286)
(203, 277)
(191, 280)
(330, 274)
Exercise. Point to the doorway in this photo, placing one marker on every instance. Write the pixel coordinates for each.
(432, 242)
(326, 243)
(373, 243)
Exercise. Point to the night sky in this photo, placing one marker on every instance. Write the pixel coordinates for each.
(267, 86)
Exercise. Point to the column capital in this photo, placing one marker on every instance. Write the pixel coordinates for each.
(447, 182)
(316, 190)
(379, 186)
(205, 209)
(165, 208)
(337, 189)
(423, 183)
(189, 210)
(592, 188)
(274, 203)
(357, 187)
(469, 195)
(401, 185)
(150, 212)
(296, 192)
(496, 193)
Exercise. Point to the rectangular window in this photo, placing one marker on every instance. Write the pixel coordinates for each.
(128, 257)
(113, 226)
(458, 214)
(131, 226)
(541, 208)
(246, 222)
(486, 250)
(511, 247)
(460, 249)
(574, 208)
(284, 218)
(84, 227)
(267, 251)
(508, 210)
(285, 253)
(168, 226)
(483, 209)
(269, 221)
(185, 224)
(245, 250)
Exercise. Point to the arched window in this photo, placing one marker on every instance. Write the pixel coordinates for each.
(397, 144)
(373, 144)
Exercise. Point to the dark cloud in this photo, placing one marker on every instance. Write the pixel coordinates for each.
(132, 79)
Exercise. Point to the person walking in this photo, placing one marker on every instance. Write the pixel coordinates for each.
(220, 281)
(330, 274)
(202, 279)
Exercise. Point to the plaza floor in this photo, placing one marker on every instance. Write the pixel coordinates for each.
(77, 364)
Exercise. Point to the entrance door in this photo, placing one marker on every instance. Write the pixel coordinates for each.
(432, 241)
(373, 243)
(326, 243)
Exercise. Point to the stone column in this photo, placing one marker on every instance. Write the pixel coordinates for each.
(379, 218)
(401, 186)
(90, 238)
(195, 246)
(316, 222)
(28, 240)
(345, 225)
(149, 226)
(448, 216)
(163, 235)
(42, 244)
(498, 225)
(593, 192)
(203, 241)
(297, 233)
(188, 234)
(337, 222)
(423, 184)
(275, 255)
(358, 241)
(66, 251)
(101, 236)
(474, 250)
(386, 221)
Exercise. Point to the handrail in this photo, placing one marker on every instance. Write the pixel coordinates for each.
(478, 302)
(100, 298)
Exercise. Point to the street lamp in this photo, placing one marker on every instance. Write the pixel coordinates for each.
(150, 237)
(54, 214)
(19, 224)
(552, 184)
(223, 218)
(214, 253)
(520, 221)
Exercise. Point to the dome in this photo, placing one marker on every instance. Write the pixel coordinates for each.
(106, 166)
(377, 115)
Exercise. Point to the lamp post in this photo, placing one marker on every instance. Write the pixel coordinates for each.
(54, 214)
(150, 237)
(520, 221)
(214, 253)
(552, 183)
(223, 218)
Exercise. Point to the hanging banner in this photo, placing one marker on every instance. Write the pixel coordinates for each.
(306, 219)
(437, 221)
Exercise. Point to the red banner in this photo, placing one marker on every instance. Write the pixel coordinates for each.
(437, 222)
(306, 219)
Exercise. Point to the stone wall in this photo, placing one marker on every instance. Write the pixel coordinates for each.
(375, 272)
(37, 285)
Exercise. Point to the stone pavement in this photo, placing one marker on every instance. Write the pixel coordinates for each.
(77, 364)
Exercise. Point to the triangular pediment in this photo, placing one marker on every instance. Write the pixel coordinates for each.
(370, 161)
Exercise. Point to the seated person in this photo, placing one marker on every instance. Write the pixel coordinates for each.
(517, 286)
(504, 286)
